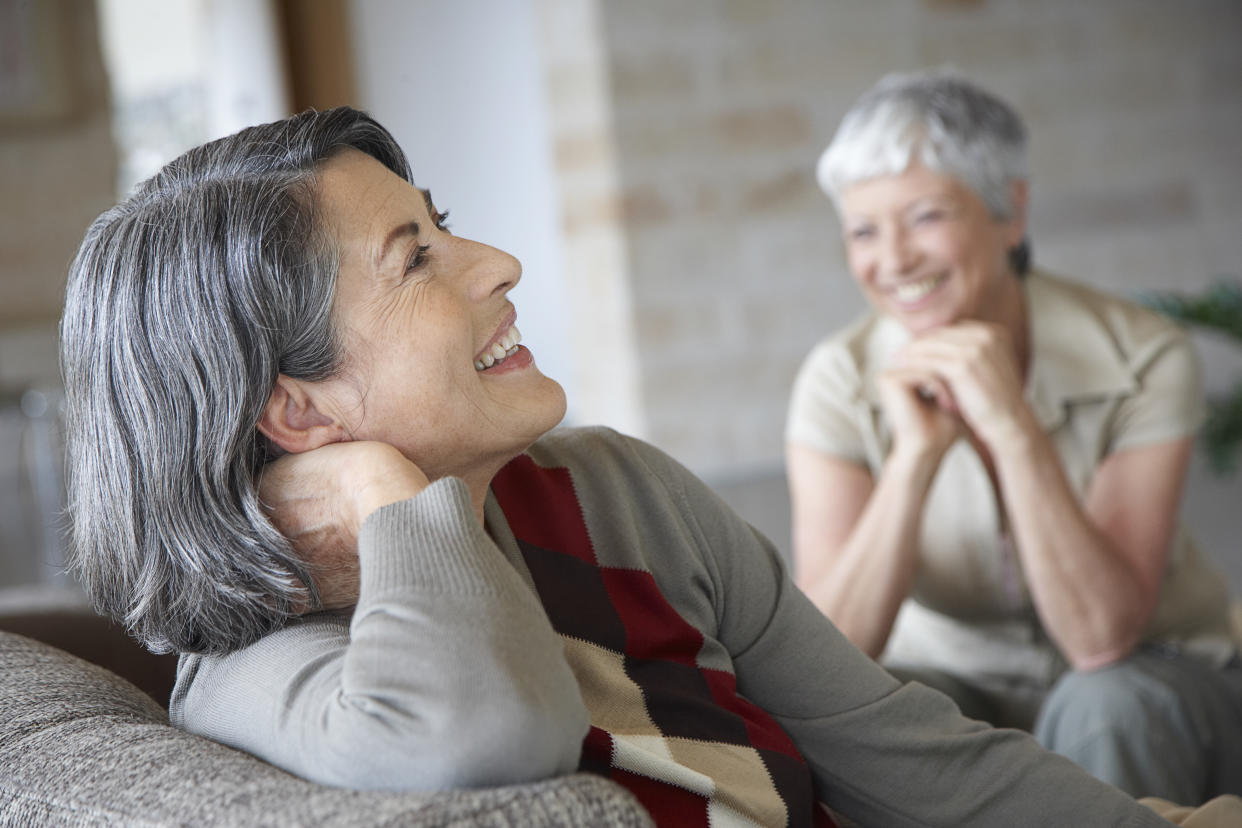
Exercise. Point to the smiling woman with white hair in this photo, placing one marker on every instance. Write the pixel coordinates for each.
(986, 469)
(308, 450)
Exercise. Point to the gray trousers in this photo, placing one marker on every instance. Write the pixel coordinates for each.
(1160, 723)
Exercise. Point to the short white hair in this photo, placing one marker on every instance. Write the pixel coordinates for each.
(938, 118)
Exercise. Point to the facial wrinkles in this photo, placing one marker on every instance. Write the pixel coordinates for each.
(378, 310)
(392, 301)
(476, 404)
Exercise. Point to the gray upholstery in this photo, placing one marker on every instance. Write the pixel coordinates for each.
(80, 746)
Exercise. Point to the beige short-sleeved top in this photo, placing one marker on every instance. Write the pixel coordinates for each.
(1105, 375)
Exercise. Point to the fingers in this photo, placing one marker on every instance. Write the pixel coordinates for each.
(964, 346)
(968, 332)
(971, 353)
(925, 386)
(329, 492)
(921, 412)
(979, 365)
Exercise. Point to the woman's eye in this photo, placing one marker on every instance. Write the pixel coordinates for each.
(928, 216)
(418, 259)
(861, 233)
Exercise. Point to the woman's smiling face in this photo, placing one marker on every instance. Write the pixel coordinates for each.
(431, 361)
(925, 249)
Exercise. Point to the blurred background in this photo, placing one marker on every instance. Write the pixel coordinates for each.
(650, 163)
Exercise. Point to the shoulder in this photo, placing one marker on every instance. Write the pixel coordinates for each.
(1092, 318)
(613, 474)
(599, 451)
(852, 345)
(839, 363)
(641, 509)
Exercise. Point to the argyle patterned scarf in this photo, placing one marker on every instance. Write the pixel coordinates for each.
(678, 736)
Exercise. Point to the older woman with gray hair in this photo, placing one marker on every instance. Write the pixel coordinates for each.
(986, 468)
(308, 451)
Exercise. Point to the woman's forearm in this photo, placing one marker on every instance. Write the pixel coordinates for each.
(1090, 599)
(862, 584)
(449, 674)
(1093, 566)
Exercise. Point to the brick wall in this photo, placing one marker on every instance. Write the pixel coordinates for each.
(687, 135)
(702, 134)
(607, 378)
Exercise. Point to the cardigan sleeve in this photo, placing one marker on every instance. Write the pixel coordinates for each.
(881, 753)
(448, 675)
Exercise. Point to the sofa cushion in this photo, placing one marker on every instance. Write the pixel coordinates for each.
(80, 746)
(85, 634)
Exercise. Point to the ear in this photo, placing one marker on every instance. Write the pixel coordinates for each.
(1019, 192)
(293, 421)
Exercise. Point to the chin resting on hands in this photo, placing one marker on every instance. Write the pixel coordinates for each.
(977, 365)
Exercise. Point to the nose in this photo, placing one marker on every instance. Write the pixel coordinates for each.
(896, 254)
(489, 270)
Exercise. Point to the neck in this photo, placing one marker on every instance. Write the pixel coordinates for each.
(479, 482)
(1008, 308)
(479, 474)
(478, 496)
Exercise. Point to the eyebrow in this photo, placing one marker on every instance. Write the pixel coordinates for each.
(410, 228)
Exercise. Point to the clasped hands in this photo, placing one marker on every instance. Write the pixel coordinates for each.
(957, 379)
(319, 499)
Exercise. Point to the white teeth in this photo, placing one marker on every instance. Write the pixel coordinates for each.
(914, 291)
(505, 346)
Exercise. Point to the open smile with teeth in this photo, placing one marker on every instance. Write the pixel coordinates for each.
(909, 292)
(504, 347)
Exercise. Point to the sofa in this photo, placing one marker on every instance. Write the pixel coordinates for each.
(85, 741)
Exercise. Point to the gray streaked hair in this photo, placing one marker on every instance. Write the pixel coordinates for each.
(938, 117)
(183, 305)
